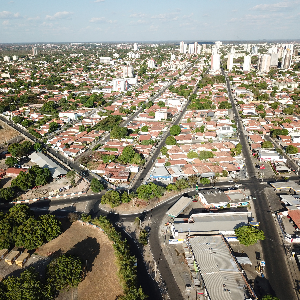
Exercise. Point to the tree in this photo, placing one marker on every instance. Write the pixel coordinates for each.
(192, 154)
(224, 105)
(19, 150)
(127, 154)
(17, 119)
(164, 150)
(50, 226)
(175, 130)
(237, 150)
(29, 235)
(267, 144)
(118, 132)
(112, 198)
(249, 235)
(269, 297)
(96, 185)
(145, 128)
(64, 272)
(7, 194)
(151, 114)
(161, 103)
(205, 155)
(37, 147)
(170, 140)
(125, 197)
(290, 149)
(11, 161)
(53, 126)
(26, 287)
(225, 173)
(149, 191)
(204, 181)
(182, 184)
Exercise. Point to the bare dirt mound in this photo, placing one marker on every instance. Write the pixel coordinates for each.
(97, 254)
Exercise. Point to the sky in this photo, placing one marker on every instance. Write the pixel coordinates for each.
(34, 21)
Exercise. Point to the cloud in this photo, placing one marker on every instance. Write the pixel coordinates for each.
(8, 15)
(166, 17)
(137, 15)
(98, 1)
(33, 18)
(102, 20)
(59, 15)
(138, 22)
(97, 20)
(276, 6)
(6, 22)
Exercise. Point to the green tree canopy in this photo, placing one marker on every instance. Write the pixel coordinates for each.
(170, 140)
(118, 132)
(267, 144)
(112, 198)
(26, 287)
(164, 150)
(249, 235)
(11, 161)
(290, 149)
(204, 181)
(64, 272)
(96, 185)
(175, 130)
(7, 194)
(19, 150)
(149, 191)
(145, 128)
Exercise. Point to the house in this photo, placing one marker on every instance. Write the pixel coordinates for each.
(269, 155)
(14, 172)
(160, 173)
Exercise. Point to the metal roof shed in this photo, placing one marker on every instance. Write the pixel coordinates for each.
(179, 206)
(44, 162)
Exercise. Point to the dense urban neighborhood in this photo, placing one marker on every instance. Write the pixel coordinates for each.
(150, 171)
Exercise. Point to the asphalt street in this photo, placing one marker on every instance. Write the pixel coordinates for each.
(275, 258)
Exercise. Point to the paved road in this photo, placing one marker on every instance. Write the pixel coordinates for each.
(276, 267)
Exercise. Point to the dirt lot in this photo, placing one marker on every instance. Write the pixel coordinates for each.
(97, 253)
(6, 133)
(59, 186)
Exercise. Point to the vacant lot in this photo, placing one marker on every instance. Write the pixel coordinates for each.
(97, 254)
(6, 133)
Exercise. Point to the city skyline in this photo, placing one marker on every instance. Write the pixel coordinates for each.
(104, 20)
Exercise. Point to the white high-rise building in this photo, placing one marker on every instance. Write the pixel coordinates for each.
(151, 63)
(195, 47)
(230, 61)
(218, 44)
(199, 49)
(120, 85)
(254, 50)
(215, 60)
(286, 58)
(135, 47)
(274, 59)
(265, 63)
(182, 47)
(173, 57)
(247, 63)
(127, 72)
(15, 57)
(191, 49)
(34, 51)
(6, 58)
